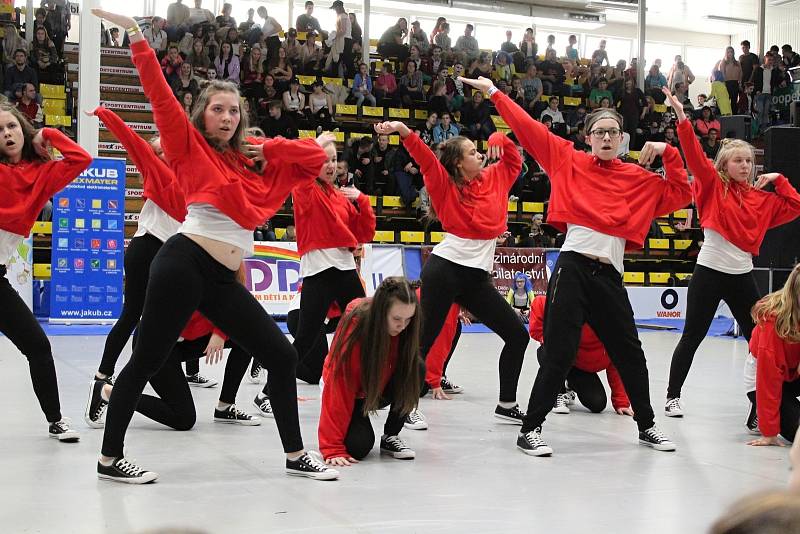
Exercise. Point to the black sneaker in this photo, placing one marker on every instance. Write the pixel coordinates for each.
(95, 405)
(61, 431)
(121, 470)
(255, 373)
(235, 416)
(752, 420)
(199, 381)
(396, 448)
(511, 415)
(653, 437)
(673, 408)
(108, 380)
(531, 443)
(449, 387)
(416, 421)
(561, 405)
(264, 406)
(310, 465)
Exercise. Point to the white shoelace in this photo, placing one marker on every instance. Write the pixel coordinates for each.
(561, 400)
(128, 468)
(534, 438)
(315, 464)
(239, 414)
(396, 442)
(415, 416)
(656, 434)
(674, 403)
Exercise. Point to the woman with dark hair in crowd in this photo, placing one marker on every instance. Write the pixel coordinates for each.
(253, 73)
(320, 107)
(195, 270)
(631, 105)
(586, 286)
(735, 215)
(374, 362)
(30, 176)
(185, 82)
(198, 58)
(43, 53)
(281, 70)
(227, 64)
(471, 201)
(411, 87)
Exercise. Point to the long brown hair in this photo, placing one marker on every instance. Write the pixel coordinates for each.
(774, 512)
(452, 154)
(28, 133)
(198, 120)
(366, 327)
(784, 305)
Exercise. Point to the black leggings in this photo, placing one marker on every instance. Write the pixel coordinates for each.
(586, 385)
(790, 408)
(445, 282)
(319, 291)
(706, 289)
(235, 365)
(185, 278)
(580, 291)
(360, 437)
(138, 257)
(19, 325)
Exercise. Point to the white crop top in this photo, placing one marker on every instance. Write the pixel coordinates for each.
(721, 255)
(155, 221)
(208, 221)
(587, 241)
(8, 244)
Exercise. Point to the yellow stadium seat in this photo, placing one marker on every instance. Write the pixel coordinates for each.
(391, 202)
(346, 109)
(666, 230)
(58, 120)
(306, 80)
(420, 114)
(512, 205)
(683, 276)
(437, 237)
(334, 81)
(370, 111)
(545, 98)
(303, 134)
(52, 91)
(532, 207)
(660, 108)
(484, 145)
(681, 214)
(633, 154)
(41, 270)
(397, 113)
(359, 135)
(633, 278)
(682, 244)
(384, 236)
(499, 122)
(339, 137)
(412, 237)
(659, 278)
(572, 101)
(280, 232)
(42, 227)
(394, 139)
(373, 42)
(658, 244)
(54, 106)
(373, 200)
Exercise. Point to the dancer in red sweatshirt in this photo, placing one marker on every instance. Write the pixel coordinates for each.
(605, 206)
(331, 223)
(471, 201)
(582, 378)
(440, 353)
(374, 361)
(28, 178)
(735, 214)
(196, 269)
(775, 345)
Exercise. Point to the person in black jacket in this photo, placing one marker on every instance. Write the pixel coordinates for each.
(407, 177)
(278, 123)
(763, 91)
(476, 118)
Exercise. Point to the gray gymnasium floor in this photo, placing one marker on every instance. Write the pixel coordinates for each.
(468, 476)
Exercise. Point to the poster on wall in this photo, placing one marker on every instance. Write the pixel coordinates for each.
(272, 275)
(88, 240)
(378, 263)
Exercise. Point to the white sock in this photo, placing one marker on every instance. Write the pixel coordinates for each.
(106, 463)
(507, 405)
(222, 406)
(103, 395)
(295, 456)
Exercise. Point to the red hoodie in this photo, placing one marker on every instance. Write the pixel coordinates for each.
(776, 362)
(437, 355)
(160, 185)
(741, 214)
(326, 219)
(198, 326)
(26, 187)
(340, 392)
(611, 197)
(224, 179)
(592, 356)
(478, 210)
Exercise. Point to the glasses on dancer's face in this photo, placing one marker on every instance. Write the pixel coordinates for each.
(600, 133)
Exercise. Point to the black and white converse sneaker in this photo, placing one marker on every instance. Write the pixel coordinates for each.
(263, 405)
(121, 470)
(61, 431)
(108, 380)
(199, 381)
(752, 420)
(449, 387)
(560, 405)
(512, 415)
(235, 416)
(673, 408)
(531, 443)
(396, 448)
(570, 397)
(653, 437)
(310, 465)
(416, 421)
(255, 373)
(95, 405)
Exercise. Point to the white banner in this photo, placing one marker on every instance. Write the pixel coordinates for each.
(134, 193)
(20, 270)
(664, 303)
(107, 51)
(110, 147)
(136, 127)
(126, 106)
(272, 275)
(124, 71)
(379, 263)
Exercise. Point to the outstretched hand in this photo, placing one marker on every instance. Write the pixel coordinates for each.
(676, 104)
(764, 179)
(650, 151)
(482, 84)
(326, 139)
(123, 21)
(390, 127)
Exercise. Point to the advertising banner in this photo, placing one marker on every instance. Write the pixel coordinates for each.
(272, 275)
(379, 263)
(88, 239)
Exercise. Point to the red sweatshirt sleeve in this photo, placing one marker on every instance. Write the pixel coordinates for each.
(338, 401)
(220, 333)
(437, 180)
(441, 348)
(619, 398)
(770, 372)
(786, 206)
(171, 121)
(705, 176)
(546, 148)
(507, 169)
(676, 192)
(299, 159)
(53, 176)
(362, 220)
(536, 320)
(159, 180)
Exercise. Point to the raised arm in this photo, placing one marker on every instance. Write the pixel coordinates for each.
(299, 159)
(362, 219)
(55, 175)
(510, 162)
(785, 202)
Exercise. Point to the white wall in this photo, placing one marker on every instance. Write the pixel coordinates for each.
(782, 27)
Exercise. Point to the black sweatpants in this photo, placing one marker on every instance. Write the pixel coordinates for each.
(790, 408)
(138, 257)
(586, 385)
(185, 278)
(19, 325)
(580, 291)
(360, 437)
(706, 289)
(318, 292)
(445, 282)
